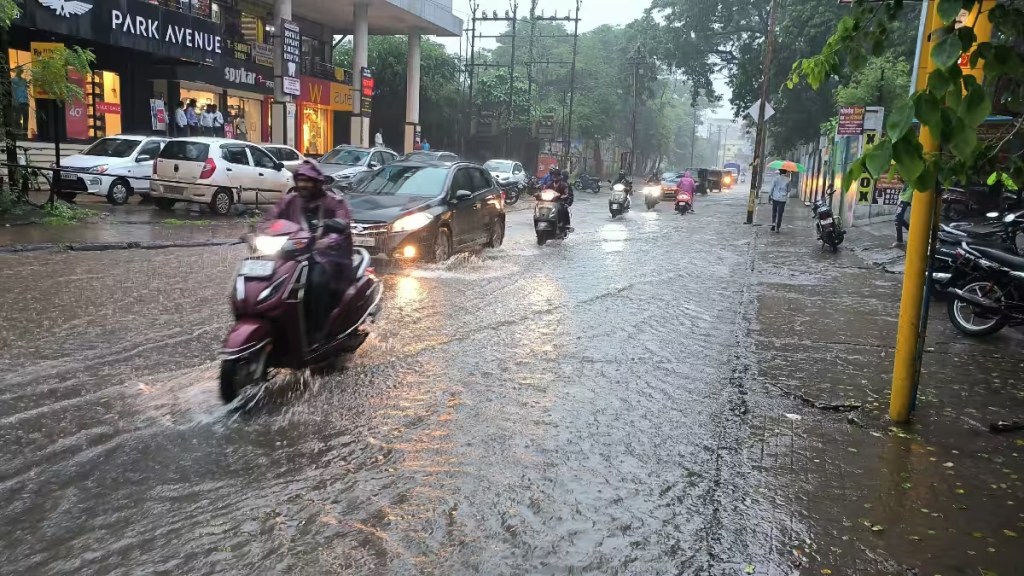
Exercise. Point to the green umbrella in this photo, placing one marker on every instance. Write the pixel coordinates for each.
(787, 165)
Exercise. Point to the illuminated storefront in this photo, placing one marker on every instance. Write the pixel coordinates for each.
(319, 102)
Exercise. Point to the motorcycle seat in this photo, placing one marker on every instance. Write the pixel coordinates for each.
(1010, 261)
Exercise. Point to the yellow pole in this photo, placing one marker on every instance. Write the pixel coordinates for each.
(904, 372)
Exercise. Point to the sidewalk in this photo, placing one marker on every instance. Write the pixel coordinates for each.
(943, 495)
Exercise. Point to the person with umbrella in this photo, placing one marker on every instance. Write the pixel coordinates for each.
(780, 190)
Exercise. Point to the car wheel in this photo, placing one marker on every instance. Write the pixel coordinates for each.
(165, 204)
(119, 192)
(442, 245)
(497, 236)
(221, 202)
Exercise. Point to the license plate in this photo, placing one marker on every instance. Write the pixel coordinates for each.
(174, 190)
(615, 205)
(826, 221)
(257, 268)
(363, 241)
(68, 176)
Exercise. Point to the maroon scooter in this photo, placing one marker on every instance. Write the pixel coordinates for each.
(269, 300)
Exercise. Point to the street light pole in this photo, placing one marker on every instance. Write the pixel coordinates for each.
(693, 136)
(758, 168)
(635, 61)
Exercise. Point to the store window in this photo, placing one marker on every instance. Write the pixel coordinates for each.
(316, 130)
(246, 116)
(105, 94)
(313, 51)
(202, 97)
(24, 103)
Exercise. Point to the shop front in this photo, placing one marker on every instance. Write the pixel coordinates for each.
(129, 39)
(238, 88)
(319, 104)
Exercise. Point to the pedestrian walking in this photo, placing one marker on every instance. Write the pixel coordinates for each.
(206, 121)
(180, 120)
(426, 145)
(218, 122)
(778, 196)
(191, 118)
(19, 88)
(378, 139)
(903, 212)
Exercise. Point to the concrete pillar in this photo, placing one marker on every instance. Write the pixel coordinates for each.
(412, 92)
(283, 129)
(360, 48)
(282, 9)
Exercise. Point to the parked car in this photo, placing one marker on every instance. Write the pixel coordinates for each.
(506, 169)
(345, 163)
(669, 182)
(290, 157)
(115, 167)
(431, 155)
(411, 210)
(219, 173)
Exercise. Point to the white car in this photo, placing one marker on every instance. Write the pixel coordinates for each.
(290, 157)
(115, 167)
(218, 173)
(506, 170)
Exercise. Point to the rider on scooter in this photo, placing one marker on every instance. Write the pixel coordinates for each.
(688, 184)
(309, 204)
(625, 181)
(560, 184)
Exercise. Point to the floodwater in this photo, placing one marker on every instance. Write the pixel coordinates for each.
(582, 407)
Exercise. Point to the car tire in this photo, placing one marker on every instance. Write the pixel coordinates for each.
(221, 202)
(497, 234)
(119, 192)
(442, 245)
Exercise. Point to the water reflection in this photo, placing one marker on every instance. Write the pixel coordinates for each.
(613, 237)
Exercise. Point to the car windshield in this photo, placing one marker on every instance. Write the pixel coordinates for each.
(345, 156)
(112, 148)
(406, 181)
(498, 166)
(671, 176)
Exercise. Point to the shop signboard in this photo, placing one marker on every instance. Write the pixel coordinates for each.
(341, 97)
(315, 91)
(851, 121)
(263, 54)
(41, 50)
(888, 188)
(108, 107)
(231, 74)
(158, 114)
(365, 91)
(291, 56)
(237, 50)
(141, 26)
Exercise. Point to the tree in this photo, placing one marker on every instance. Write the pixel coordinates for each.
(884, 81)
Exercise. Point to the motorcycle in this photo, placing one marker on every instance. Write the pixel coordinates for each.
(269, 306)
(652, 195)
(829, 226)
(993, 296)
(684, 202)
(584, 182)
(511, 190)
(1002, 237)
(546, 222)
(618, 202)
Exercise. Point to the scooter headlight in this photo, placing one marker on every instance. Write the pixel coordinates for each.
(267, 245)
(652, 190)
(618, 188)
(548, 195)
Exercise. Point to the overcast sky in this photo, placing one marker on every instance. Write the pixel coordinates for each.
(593, 13)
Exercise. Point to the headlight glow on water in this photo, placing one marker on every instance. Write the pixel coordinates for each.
(267, 245)
(411, 222)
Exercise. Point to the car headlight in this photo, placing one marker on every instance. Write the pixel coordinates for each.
(266, 245)
(101, 169)
(411, 222)
(548, 195)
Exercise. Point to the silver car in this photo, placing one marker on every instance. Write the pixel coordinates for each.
(290, 157)
(347, 164)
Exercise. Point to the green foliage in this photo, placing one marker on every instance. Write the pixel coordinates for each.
(883, 81)
(60, 213)
(951, 106)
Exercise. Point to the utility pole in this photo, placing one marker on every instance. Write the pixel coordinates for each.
(693, 136)
(758, 168)
(572, 81)
(635, 60)
(909, 334)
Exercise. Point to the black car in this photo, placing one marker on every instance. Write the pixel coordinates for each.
(411, 210)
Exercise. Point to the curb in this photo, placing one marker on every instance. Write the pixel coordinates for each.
(108, 246)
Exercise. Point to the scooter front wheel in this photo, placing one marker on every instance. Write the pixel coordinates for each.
(236, 374)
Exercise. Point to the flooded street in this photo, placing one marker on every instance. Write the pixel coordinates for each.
(583, 407)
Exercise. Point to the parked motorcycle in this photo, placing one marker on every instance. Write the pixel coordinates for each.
(957, 204)
(618, 202)
(829, 226)
(585, 182)
(511, 189)
(269, 304)
(652, 195)
(1000, 233)
(993, 298)
(546, 222)
(684, 202)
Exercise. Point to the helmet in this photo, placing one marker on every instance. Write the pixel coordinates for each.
(565, 174)
(622, 173)
(309, 169)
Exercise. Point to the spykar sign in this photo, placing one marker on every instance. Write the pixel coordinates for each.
(130, 24)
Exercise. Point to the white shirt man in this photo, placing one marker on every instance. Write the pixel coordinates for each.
(378, 140)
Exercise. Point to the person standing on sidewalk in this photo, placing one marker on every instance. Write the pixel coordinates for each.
(903, 213)
(180, 120)
(778, 197)
(206, 121)
(378, 140)
(192, 118)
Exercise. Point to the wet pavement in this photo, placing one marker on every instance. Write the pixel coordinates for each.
(624, 402)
